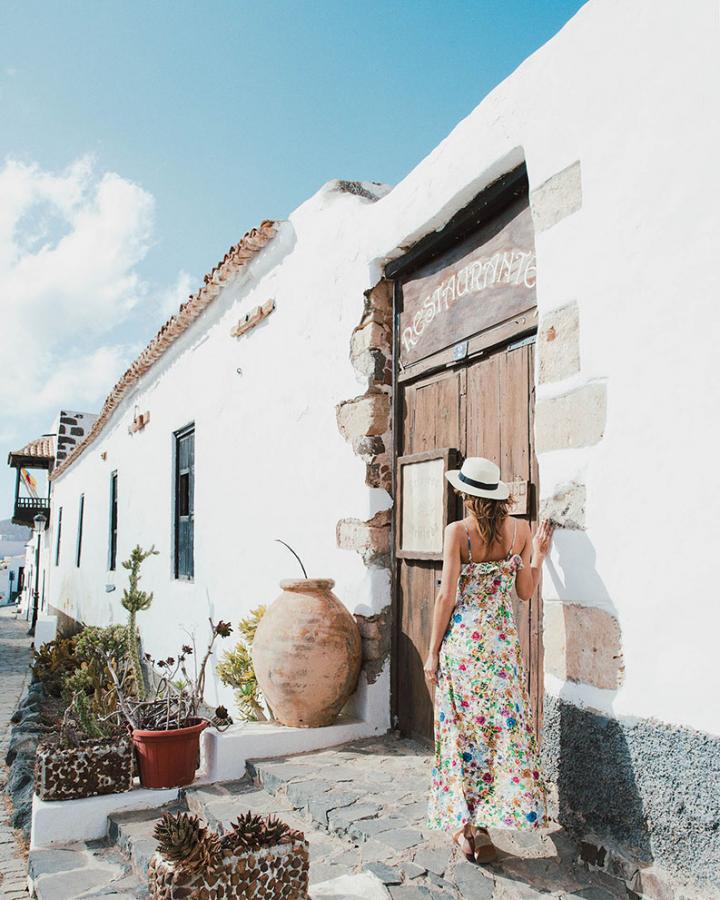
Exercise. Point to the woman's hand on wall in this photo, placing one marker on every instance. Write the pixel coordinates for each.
(541, 541)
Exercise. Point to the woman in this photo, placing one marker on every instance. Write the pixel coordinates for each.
(487, 770)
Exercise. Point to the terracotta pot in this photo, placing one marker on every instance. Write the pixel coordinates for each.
(307, 654)
(168, 759)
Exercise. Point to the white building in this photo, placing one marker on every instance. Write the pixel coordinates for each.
(608, 419)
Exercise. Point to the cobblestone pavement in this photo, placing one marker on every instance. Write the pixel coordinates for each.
(14, 673)
(362, 807)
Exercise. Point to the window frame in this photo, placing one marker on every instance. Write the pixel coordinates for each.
(186, 572)
(113, 522)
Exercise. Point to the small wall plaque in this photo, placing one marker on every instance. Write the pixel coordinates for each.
(139, 422)
(253, 318)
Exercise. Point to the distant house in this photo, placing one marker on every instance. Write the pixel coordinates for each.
(541, 290)
(33, 464)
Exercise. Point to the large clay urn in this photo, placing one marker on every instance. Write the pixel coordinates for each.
(307, 654)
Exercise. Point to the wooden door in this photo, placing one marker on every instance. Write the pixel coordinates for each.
(480, 408)
(431, 420)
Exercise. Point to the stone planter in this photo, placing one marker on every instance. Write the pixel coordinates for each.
(307, 654)
(270, 873)
(92, 768)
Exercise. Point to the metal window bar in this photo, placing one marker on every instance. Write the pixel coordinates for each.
(81, 514)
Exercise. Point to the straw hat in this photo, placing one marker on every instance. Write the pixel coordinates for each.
(479, 477)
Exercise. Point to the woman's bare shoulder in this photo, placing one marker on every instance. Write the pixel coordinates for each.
(455, 529)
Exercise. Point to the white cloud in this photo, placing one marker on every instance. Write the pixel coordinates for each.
(70, 245)
(169, 301)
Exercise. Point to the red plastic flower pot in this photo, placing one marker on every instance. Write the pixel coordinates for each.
(168, 759)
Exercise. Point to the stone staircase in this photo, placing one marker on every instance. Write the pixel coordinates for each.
(362, 810)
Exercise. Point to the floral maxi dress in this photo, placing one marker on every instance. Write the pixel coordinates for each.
(486, 771)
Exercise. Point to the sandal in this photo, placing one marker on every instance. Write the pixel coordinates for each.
(485, 851)
(464, 840)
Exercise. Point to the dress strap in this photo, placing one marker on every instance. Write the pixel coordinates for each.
(467, 535)
(513, 538)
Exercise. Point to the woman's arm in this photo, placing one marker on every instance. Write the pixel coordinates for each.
(533, 553)
(445, 600)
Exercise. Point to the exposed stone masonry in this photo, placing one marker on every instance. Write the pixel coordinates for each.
(557, 198)
(375, 634)
(366, 423)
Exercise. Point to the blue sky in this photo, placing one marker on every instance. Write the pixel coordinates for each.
(140, 139)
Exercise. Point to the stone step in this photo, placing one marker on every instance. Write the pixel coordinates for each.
(94, 869)
(132, 833)
(220, 804)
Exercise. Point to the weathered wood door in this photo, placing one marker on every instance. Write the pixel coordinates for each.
(482, 409)
(465, 320)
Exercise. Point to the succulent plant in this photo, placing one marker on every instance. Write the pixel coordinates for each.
(236, 669)
(251, 831)
(187, 843)
(134, 600)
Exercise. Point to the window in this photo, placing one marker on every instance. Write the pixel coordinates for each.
(112, 555)
(81, 512)
(184, 502)
(59, 535)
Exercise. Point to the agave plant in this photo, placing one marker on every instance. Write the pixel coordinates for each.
(251, 831)
(187, 843)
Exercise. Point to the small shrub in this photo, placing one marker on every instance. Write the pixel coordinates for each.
(236, 669)
(54, 662)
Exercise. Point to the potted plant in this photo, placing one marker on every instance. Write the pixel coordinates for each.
(83, 760)
(258, 857)
(88, 756)
(166, 726)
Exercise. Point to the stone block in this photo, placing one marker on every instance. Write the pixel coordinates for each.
(653, 883)
(371, 538)
(574, 419)
(370, 335)
(566, 506)
(583, 644)
(473, 882)
(559, 344)
(400, 838)
(372, 649)
(380, 298)
(435, 861)
(557, 198)
(386, 874)
(364, 416)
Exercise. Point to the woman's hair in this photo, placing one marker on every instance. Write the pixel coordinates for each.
(489, 515)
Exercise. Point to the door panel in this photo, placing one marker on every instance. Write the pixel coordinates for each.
(484, 408)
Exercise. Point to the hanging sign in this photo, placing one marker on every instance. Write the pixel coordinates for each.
(482, 281)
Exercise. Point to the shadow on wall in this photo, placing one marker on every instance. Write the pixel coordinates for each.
(585, 751)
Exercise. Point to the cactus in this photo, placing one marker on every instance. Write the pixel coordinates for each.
(134, 600)
(86, 720)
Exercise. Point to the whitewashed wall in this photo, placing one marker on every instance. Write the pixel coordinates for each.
(629, 90)
(13, 565)
(269, 459)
